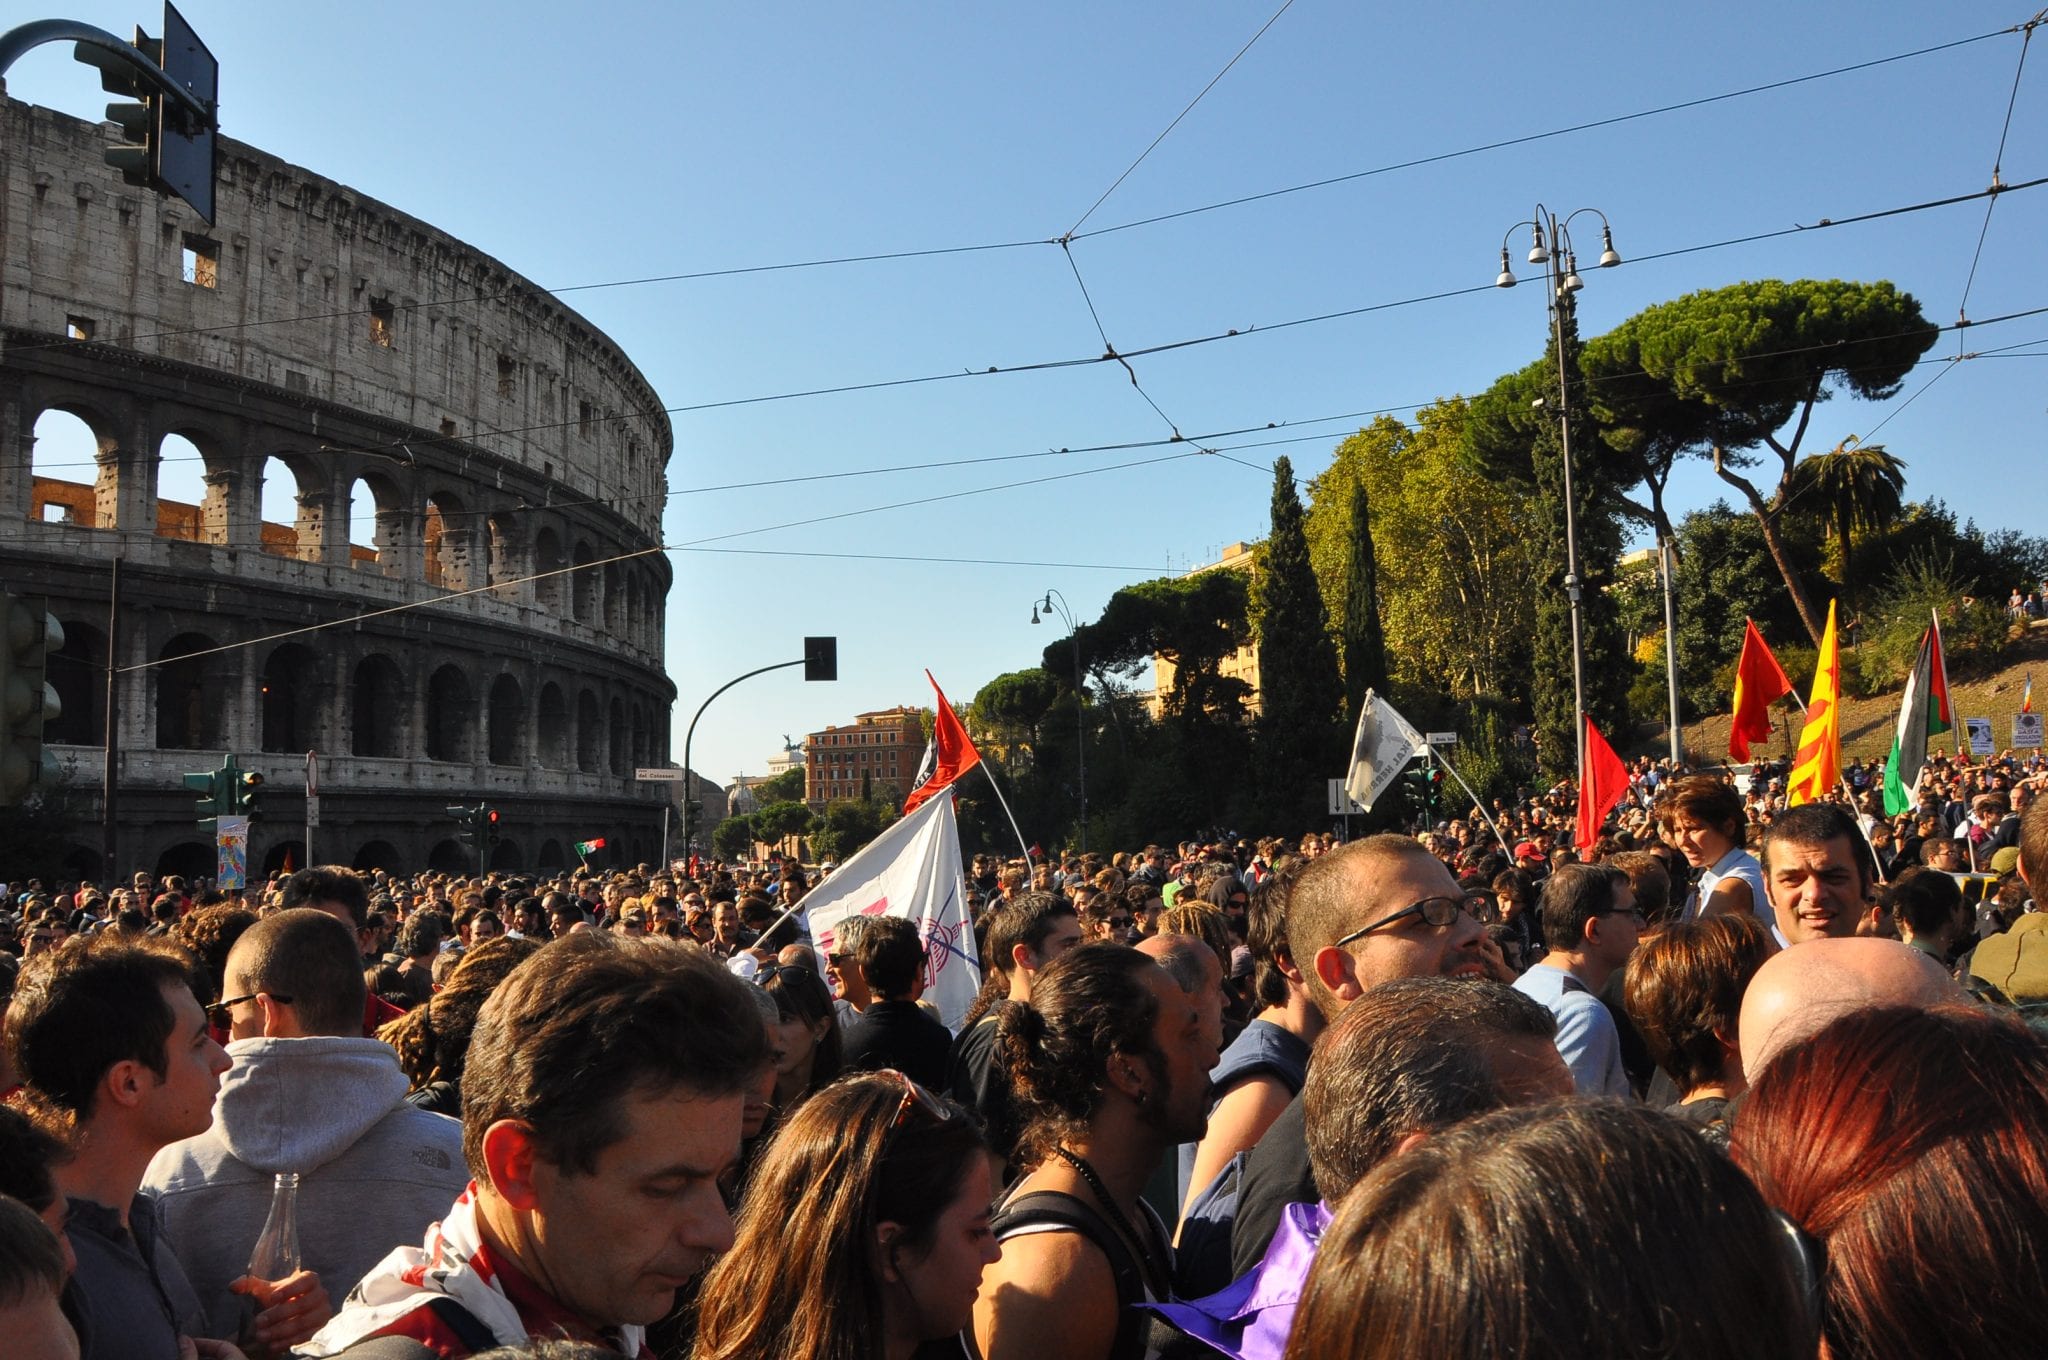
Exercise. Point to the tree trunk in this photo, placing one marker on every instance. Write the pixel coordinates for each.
(1768, 522)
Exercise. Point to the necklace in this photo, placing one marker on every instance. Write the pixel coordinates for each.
(1146, 1262)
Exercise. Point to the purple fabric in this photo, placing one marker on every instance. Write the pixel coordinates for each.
(1250, 1317)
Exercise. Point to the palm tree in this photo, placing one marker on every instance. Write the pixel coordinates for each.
(1852, 488)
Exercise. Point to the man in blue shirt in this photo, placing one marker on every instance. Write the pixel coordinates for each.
(1590, 926)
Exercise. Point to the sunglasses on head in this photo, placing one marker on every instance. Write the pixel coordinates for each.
(915, 1097)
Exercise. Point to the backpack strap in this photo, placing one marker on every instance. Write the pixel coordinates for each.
(1051, 1208)
(474, 1336)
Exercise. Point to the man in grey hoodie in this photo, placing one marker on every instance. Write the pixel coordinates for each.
(306, 1095)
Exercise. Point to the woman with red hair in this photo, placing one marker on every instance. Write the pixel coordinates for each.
(1911, 1147)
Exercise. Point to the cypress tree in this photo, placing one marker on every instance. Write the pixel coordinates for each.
(1300, 690)
(1365, 648)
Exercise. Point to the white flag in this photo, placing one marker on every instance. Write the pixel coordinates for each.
(1384, 744)
(911, 870)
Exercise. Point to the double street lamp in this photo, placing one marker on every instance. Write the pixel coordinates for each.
(1048, 606)
(1561, 269)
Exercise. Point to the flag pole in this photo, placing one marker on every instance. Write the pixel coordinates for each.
(1022, 844)
(1491, 825)
(1855, 813)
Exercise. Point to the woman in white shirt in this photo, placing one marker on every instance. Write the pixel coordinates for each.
(1703, 817)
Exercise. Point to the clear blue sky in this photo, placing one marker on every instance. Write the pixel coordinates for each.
(594, 143)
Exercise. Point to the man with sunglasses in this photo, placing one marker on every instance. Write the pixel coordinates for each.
(1590, 927)
(307, 1094)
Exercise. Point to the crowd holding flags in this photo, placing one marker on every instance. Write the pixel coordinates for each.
(1818, 765)
(1924, 712)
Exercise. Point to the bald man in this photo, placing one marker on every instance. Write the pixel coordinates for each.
(1800, 990)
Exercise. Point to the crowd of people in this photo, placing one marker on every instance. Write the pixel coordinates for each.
(1737, 1079)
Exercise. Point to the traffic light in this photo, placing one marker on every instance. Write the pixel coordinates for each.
(465, 821)
(28, 633)
(135, 156)
(206, 783)
(167, 144)
(821, 658)
(246, 788)
(487, 826)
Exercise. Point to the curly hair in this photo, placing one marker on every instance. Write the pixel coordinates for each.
(1086, 1005)
(433, 1040)
(209, 934)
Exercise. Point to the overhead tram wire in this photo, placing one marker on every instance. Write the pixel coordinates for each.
(1154, 145)
(1998, 162)
(1528, 138)
(1134, 444)
(993, 246)
(650, 551)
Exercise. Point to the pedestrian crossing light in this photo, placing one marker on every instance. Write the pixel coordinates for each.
(28, 634)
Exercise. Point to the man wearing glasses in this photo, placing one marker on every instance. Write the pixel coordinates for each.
(1369, 912)
(308, 1095)
(1590, 927)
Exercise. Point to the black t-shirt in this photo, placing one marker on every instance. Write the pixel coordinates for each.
(1276, 1174)
(978, 1081)
(900, 1035)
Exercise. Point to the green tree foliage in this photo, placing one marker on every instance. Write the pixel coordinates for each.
(778, 820)
(733, 838)
(1010, 707)
(1851, 489)
(1726, 574)
(1300, 690)
(1973, 628)
(1193, 622)
(1729, 369)
(1365, 645)
(847, 825)
(1514, 425)
(1456, 564)
(787, 787)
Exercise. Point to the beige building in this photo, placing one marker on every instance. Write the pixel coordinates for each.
(1243, 664)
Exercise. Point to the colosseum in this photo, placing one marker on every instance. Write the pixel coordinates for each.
(458, 594)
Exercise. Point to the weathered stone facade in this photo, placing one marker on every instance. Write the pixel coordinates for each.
(501, 436)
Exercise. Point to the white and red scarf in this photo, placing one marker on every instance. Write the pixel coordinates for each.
(407, 1279)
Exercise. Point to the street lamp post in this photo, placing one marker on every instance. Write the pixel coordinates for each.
(1562, 271)
(1080, 719)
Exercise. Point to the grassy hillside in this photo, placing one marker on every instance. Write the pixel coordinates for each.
(1867, 723)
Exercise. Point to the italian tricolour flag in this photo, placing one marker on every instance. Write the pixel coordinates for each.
(1923, 713)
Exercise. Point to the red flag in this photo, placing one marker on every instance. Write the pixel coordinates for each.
(1759, 682)
(1604, 782)
(956, 753)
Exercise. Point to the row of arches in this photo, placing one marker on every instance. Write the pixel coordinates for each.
(368, 707)
(345, 508)
(196, 859)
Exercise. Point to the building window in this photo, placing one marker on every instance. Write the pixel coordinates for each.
(200, 262)
(382, 317)
(79, 327)
(586, 416)
(508, 370)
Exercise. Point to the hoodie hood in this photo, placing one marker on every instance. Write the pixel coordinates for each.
(297, 1104)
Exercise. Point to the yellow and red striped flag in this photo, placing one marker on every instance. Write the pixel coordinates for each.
(1818, 766)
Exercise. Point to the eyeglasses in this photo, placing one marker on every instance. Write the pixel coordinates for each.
(1434, 911)
(1642, 917)
(915, 1097)
(1120, 922)
(768, 972)
(220, 1016)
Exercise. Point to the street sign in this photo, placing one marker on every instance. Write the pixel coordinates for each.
(1340, 805)
(663, 774)
(1442, 739)
(312, 809)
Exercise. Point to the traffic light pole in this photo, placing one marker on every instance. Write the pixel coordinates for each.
(689, 803)
(110, 787)
(16, 41)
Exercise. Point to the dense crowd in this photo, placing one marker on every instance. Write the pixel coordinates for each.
(1736, 1079)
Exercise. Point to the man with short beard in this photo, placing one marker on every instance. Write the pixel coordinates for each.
(1110, 1060)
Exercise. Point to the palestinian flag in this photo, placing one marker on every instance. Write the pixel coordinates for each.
(1924, 713)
